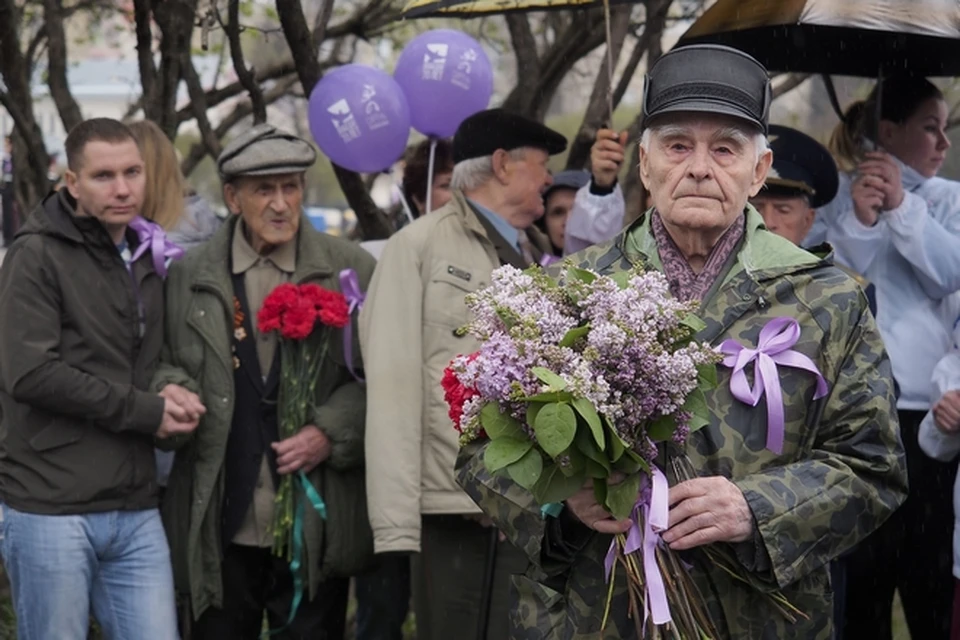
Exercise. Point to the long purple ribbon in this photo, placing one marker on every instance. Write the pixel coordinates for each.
(654, 506)
(152, 236)
(774, 347)
(350, 288)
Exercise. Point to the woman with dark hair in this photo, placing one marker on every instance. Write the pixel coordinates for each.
(898, 224)
(416, 175)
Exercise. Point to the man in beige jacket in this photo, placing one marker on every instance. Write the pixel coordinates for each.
(408, 329)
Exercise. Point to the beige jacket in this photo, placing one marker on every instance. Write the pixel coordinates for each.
(408, 327)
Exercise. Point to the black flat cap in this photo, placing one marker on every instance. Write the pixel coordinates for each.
(801, 167)
(708, 78)
(483, 133)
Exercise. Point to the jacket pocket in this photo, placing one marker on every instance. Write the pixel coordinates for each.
(59, 432)
(444, 300)
(347, 539)
(538, 612)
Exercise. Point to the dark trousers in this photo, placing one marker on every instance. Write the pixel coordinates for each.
(448, 578)
(254, 581)
(383, 598)
(9, 213)
(911, 552)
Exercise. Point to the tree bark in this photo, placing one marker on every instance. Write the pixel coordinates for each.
(373, 223)
(198, 102)
(656, 22)
(598, 106)
(30, 159)
(244, 74)
(67, 107)
(176, 20)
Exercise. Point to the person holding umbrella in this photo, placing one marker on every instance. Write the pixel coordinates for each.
(898, 223)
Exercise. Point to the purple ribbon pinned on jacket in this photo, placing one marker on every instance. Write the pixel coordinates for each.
(152, 236)
(548, 259)
(653, 505)
(350, 287)
(774, 347)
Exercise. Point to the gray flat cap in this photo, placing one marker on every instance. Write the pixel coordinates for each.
(265, 150)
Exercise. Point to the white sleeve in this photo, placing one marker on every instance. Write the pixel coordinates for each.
(930, 246)
(934, 442)
(593, 219)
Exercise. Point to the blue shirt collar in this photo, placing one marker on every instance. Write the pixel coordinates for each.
(511, 235)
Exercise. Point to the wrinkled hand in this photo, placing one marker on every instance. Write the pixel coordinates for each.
(583, 505)
(867, 199)
(606, 156)
(879, 164)
(484, 521)
(303, 451)
(946, 412)
(705, 510)
(188, 401)
(176, 420)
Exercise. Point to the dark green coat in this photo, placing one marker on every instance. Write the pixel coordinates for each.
(197, 355)
(841, 474)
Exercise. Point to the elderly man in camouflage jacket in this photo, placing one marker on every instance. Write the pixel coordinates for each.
(841, 471)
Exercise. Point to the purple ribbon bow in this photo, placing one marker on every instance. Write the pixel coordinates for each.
(152, 236)
(773, 348)
(653, 504)
(350, 287)
(548, 259)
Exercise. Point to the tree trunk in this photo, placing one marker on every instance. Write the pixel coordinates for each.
(67, 107)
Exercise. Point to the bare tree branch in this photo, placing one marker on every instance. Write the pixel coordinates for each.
(67, 107)
(143, 19)
(320, 27)
(198, 102)
(655, 24)
(241, 111)
(789, 82)
(176, 19)
(35, 47)
(217, 96)
(372, 221)
(246, 77)
(524, 46)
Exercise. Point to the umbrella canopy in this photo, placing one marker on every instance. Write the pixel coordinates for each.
(478, 8)
(841, 37)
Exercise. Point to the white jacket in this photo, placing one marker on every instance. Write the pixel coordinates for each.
(593, 219)
(912, 256)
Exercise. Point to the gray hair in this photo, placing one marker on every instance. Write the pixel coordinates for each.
(469, 175)
(741, 134)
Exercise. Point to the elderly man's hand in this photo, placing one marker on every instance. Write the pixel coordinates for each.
(705, 510)
(303, 451)
(946, 412)
(606, 156)
(583, 505)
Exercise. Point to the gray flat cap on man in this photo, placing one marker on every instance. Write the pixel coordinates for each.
(265, 150)
(708, 78)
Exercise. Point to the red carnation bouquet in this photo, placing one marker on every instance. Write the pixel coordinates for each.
(303, 315)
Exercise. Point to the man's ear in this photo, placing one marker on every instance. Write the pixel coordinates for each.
(644, 168)
(71, 180)
(231, 197)
(501, 165)
(760, 172)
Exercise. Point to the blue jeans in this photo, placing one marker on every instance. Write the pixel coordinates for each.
(118, 562)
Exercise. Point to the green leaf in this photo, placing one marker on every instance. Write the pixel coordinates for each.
(526, 471)
(587, 277)
(694, 322)
(594, 470)
(532, 410)
(600, 492)
(504, 451)
(627, 465)
(586, 445)
(622, 497)
(550, 396)
(555, 426)
(555, 382)
(576, 462)
(573, 335)
(696, 405)
(622, 278)
(589, 413)
(498, 424)
(553, 486)
(615, 446)
(662, 428)
(707, 375)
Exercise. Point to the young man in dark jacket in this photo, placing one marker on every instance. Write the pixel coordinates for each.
(81, 327)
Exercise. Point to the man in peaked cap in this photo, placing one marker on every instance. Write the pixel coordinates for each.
(409, 333)
(219, 502)
(786, 492)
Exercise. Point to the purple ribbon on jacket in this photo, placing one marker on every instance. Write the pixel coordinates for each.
(548, 259)
(653, 505)
(774, 347)
(152, 236)
(350, 287)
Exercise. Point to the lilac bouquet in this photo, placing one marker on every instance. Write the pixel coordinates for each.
(580, 380)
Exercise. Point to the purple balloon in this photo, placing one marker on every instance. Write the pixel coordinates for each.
(359, 118)
(446, 77)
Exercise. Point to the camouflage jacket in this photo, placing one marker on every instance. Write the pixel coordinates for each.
(841, 474)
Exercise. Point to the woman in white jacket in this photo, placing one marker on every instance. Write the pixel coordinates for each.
(898, 224)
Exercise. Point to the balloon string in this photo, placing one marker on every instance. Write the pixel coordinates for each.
(433, 155)
(403, 201)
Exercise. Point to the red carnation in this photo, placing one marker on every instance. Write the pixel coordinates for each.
(299, 320)
(275, 305)
(456, 395)
(332, 308)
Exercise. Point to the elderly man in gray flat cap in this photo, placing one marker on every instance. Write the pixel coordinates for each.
(218, 509)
